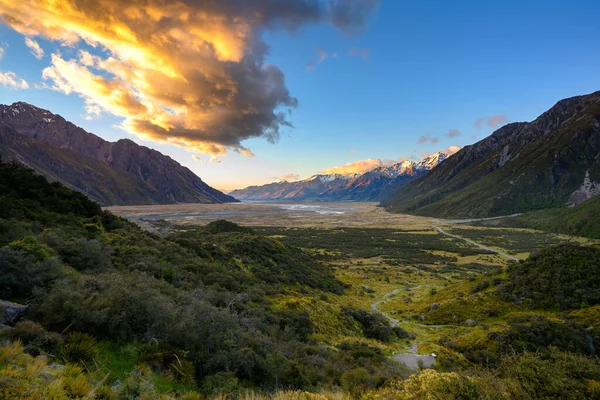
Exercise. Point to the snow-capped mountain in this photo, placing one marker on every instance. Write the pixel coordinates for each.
(374, 185)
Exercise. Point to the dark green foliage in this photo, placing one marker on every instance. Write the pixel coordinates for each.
(393, 245)
(581, 220)
(25, 195)
(558, 277)
(224, 226)
(554, 375)
(168, 360)
(202, 295)
(34, 337)
(78, 348)
(375, 325)
(538, 334)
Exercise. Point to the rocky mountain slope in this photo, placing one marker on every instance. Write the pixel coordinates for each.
(119, 173)
(553, 161)
(374, 185)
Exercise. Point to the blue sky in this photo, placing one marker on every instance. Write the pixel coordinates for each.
(419, 69)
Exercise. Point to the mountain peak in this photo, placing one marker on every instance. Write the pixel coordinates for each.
(111, 173)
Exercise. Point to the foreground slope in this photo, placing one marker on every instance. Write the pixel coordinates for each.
(119, 173)
(550, 162)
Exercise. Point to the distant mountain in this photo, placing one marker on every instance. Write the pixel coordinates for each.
(119, 173)
(553, 161)
(374, 185)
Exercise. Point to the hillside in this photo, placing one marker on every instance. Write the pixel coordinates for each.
(374, 185)
(119, 173)
(550, 162)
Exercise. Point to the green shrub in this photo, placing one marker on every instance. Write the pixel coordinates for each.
(79, 348)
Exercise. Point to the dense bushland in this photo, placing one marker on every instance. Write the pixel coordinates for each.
(202, 294)
(562, 277)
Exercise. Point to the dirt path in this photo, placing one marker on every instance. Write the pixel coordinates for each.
(481, 246)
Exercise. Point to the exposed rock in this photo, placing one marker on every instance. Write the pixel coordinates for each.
(11, 312)
(367, 289)
(471, 322)
(434, 306)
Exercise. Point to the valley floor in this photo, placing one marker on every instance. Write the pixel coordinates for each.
(418, 272)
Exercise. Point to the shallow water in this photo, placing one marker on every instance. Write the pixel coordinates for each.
(271, 208)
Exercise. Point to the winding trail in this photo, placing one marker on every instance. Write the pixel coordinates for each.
(443, 232)
(396, 322)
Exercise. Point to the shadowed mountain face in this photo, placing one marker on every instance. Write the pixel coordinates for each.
(553, 161)
(119, 173)
(374, 185)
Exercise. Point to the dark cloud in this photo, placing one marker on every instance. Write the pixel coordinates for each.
(185, 72)
(453, 133)
(427, 138)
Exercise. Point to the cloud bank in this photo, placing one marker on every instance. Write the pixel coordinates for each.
(186, 72)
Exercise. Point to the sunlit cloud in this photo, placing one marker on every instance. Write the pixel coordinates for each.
(212, 159)
(191, 74)
(493, 122)
(35, 48)
(12, 81)
(287, 178)
(452, 149)
(356, 167)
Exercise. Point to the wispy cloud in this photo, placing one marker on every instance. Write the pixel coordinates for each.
(427, 138)
(12, 81)
(35, 48)
(187, 73)
(1, 52)
(493, 122)
(452, 133)
(359, 52)
(322, 55)
(212, 159)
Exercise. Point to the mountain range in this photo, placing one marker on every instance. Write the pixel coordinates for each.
(374, 185)
(553, 161)
(111, 173)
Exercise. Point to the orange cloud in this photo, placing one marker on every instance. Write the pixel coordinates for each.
(189, 73)
(355, 167)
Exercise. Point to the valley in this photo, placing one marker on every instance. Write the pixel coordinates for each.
(430, 277)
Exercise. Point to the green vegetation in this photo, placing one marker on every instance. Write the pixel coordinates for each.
(582, 220)
(394, 245)
(119, 313)
(515, 170)
(565, 277)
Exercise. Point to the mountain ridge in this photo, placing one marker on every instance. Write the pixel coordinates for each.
(373, 185)
(552, 161)
(112, 173)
